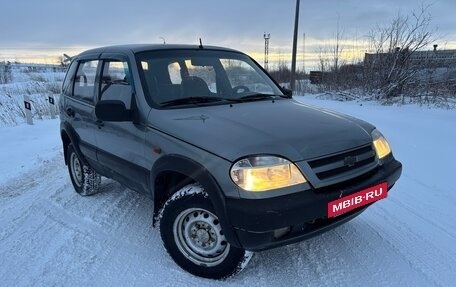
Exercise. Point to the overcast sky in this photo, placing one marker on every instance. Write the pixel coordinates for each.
(49, 27)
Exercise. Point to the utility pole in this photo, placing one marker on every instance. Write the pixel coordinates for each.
(266, 49)
(304, 53)
(295, 43)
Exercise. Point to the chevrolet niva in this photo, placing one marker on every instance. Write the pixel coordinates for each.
(232, 162)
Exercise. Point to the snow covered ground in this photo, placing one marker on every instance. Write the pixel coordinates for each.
(50, 236)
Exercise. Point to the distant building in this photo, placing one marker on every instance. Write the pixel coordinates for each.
(34, 67)
(432, 58)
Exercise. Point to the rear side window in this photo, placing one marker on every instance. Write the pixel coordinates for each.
(84, 82)
(67, 86)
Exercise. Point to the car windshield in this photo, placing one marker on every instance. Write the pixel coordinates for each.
(203, 77)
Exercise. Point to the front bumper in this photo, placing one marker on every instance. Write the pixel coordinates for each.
(267, 223)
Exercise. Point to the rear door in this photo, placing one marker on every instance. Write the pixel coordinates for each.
(79, 103)
(121, 144)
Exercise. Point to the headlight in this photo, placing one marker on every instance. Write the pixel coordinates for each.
(261, 173)
(382, 148)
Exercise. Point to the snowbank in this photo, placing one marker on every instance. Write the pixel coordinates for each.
(50, 236)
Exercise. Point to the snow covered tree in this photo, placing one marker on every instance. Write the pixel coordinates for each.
(5, 72)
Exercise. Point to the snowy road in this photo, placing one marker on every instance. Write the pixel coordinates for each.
(51, 236)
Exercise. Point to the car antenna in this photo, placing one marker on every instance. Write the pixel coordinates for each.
(201, 44)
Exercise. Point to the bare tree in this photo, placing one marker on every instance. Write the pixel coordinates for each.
(330, 60)
(336, 47)
(398, 64)
(330, 55)
(323, 63)
(390, 68)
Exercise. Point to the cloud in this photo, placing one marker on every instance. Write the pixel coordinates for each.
(63, 25)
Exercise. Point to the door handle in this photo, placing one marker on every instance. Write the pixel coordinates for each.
(70, 112)
(100, 123)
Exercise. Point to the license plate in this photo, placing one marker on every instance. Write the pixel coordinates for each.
(355, 200)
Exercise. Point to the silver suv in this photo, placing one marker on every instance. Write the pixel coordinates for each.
(232, 162)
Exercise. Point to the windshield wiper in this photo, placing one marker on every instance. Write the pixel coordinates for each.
(256, 96)
(209, 99)
(194, 100)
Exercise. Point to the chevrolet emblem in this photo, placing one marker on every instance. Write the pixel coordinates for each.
(350, 161)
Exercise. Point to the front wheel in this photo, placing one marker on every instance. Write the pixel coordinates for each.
(192, 235)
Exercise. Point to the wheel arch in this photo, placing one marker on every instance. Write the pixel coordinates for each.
(69, 136)
(172, 172)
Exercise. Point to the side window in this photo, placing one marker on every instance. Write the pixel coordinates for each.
(84, 82)
(114, 72)
(116, 82)
(67, 83)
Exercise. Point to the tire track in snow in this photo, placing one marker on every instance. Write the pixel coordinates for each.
(18, 194)
(431, 223)
(89, 234)
(421, 254)
(52, 236)
(449, 195)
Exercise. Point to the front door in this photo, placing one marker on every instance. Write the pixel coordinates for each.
(121, 144)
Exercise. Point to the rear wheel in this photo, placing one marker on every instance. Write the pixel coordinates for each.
(192, 235)
(85, 180)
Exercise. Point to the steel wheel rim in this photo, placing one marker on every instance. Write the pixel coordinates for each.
(76, 169)
(199, 236)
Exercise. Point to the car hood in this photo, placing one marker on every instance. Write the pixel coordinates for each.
(285, 128)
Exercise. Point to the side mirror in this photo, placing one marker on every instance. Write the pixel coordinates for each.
(112, 111)
(287, 92)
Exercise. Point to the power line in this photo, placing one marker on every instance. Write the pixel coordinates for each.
(304, 53)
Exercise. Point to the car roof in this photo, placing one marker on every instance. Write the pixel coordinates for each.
(136, 48)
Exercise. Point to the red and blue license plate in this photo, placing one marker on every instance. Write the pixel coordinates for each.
(358, 199)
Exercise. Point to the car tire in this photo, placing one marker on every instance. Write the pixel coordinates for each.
(85, 180)
(193, 237)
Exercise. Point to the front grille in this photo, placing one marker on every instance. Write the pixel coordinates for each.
(339, 164)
